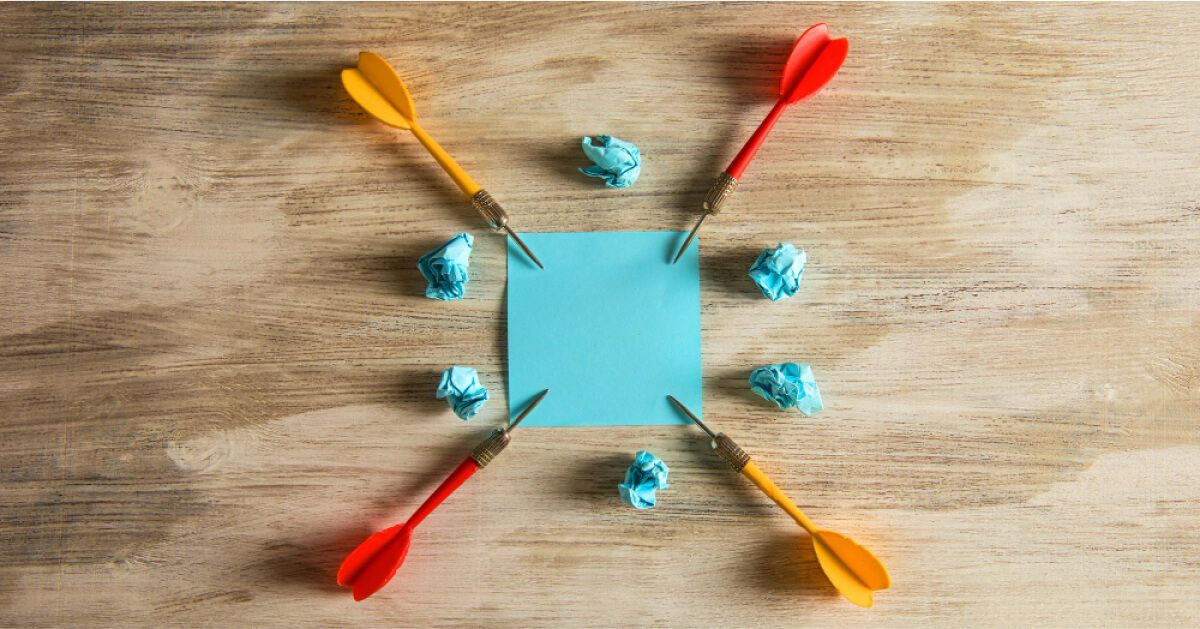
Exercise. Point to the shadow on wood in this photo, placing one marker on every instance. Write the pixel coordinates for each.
(594, 481)
(727, 268)
(786, 563)
(562, 158)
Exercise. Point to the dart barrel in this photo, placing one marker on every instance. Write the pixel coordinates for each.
(733, 454)
(495, 215)
(491, 447)
(720, 191)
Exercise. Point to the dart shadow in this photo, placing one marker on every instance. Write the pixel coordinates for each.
(501, 344)
(727, 269)
(419, 170)
(750, 76)
(733, 386)
(394, 269)
(701, 178)
(312, 93)
(750, 69)
(562, 159)
(786, 563)
(309, 561)
(735, 493)
(315, 95)
(416, 390)
(393, 505)
(594, 482)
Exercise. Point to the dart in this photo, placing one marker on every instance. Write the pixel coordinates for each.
(374, 562)
(852, 569)
(814, 60)
(376, 86)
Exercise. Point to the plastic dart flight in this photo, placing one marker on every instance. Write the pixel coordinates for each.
(370, 566)
(375, 85)
(814, 60)
(852, 569)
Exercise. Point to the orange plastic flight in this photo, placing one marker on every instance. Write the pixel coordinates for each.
(855, 571)
(375, 85)
(852, 569)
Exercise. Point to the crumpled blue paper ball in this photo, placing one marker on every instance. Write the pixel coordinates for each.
(445, 268)
(618, 162)
(462, 391)
(788, 385)
(647, 474)
(778, 271)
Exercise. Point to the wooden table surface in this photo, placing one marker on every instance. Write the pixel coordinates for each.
(217, 364)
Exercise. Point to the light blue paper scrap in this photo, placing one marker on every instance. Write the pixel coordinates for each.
(461, 389)
(445, 268)
(647, 475)
(617, 161)
(778, 271)
(610, 326)
(788, 385)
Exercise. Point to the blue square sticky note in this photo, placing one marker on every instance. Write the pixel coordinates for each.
(610, 326)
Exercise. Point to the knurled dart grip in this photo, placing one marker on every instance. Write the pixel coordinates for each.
(495, 215)
(728, 450)
(490, 447)
(720, 191)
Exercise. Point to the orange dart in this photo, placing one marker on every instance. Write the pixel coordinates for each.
(852, 569)
(376, 86)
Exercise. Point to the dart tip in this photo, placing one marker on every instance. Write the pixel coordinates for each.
(521, 244)
(691, 235)
(528, 409)
(685, 411)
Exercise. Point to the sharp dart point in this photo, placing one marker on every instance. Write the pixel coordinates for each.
(521, 244)
(685, 410)
(689, 239)
(528, 409)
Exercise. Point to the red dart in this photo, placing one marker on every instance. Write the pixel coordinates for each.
(814, 60)
(370, 566)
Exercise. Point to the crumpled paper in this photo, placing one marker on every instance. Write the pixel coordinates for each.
(445, 268)
(617, 161)
(647, 474)
(778, 271)
(461, 389)
(788, 385)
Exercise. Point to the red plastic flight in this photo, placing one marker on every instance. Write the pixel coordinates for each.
(370, 566)
(814, 61)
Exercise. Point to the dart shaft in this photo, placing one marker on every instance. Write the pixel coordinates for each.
(776, 494)
(460, 176)
(459, 476)
(739, 163)
(491, 211)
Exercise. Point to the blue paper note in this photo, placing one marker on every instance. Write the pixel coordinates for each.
(610, 326)
(647, 475)
(616, 161)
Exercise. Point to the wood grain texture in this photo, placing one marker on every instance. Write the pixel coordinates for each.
(217, 366)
